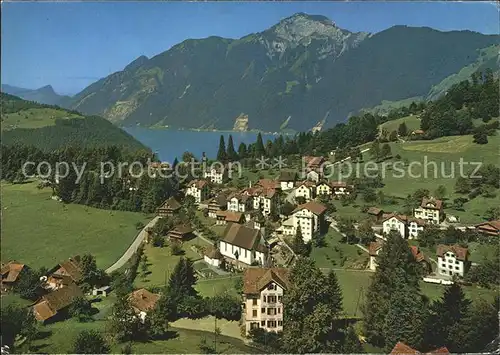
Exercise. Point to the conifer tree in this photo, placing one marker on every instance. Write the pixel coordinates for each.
(221, 154)
(298, 244)
(242, 150)
(402, 130)
(231, 153)
(352, 345)
(260, 150)
(182, 281)
(394, 256)
(375, 150)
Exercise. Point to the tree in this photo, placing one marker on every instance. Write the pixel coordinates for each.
(231, 153)
(144, 266)
(365, 232)
(395, 257)
(187, 157)
(385, 152)
(242, 151)
(221, 154)
(18, 323)
(158, 240)
(90, 342)
(225, 306)
(298, 245)
(492, 213)
(28, 285)
(310, 311)
(182, 281)
(259, 147)
(480, 137)
(440, 192)
(402, 130)
(164, 312)
(92, 276)
(375, 150)
(123, 324)
(445, 316)
(458, 203)
(81, 309)
(393, 136)
(369, 195)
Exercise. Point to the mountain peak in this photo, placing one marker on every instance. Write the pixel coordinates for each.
(136, 63)
(47, 89)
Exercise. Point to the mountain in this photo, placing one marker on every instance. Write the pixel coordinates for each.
(50, 127)
(301, 73)
(43, 95)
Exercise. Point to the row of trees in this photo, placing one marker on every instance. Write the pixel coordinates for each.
(395, 309)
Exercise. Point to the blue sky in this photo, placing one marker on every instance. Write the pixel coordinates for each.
(70, 45)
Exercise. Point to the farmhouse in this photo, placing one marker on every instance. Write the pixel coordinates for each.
(287, 180)
(217, 204)
(180, 232)
(489, 228)
(452, 260)
(198, 189)
(310, 217)
(169, 207)
(143, 301)
(239, 202)
(402, 349)
(340, 188)
(323, 188)
(374, 249)
(71, 268)
(243, 244)
(263, 290)
(375, 213)
(56, 302)
(10, 273)
(305, 189)
(430, 210)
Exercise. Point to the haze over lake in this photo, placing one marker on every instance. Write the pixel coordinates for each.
(171, 143)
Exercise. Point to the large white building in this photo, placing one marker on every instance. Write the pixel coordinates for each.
(452, 260)
(243, 244)
(310, 217)
(305, 189)
(239, 203)
(408, 228)
(216, 175)
(263, 291)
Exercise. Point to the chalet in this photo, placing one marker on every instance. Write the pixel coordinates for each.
(305, 189)
(199, 189)
(56, 303)
(263, 291)
(224, 217)
(375, 213)
(287, 227)
(407, 227)
(340, 188)
(143, 302)
(216, 175)
(287, 180)
(310, 216)
(213, 256)
(181, 232)
(216, 204)
(430, 210)
(374, 249)
(10, 273)
(402, 349)
(71, 268)
(56, 281)
(169, 208)
(452, 260)
(243, 244)
(489, 228)
(421, 259)
(323, 188)
(264, 199)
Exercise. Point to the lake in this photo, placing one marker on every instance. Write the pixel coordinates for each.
(170, 143)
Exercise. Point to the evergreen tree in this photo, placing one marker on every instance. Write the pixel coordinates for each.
(394, 257)
(164, 312)
(298, 245)
(445, 315)
(221, 154)
(334, 293)
(231, 153)
(310, 311)
(402, 130)
(242, 151)
(259, 149)
(90, 342)
(385, 151)
(375, 150)
(352, 345)
(182, 281)
(440, 192)
(123, 324)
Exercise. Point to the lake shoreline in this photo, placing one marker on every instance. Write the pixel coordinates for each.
(166, 128)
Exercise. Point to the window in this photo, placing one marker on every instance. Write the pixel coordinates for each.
(245, 253)
(457, 268)
(279, 310)
(271, 324)
(280, 323)
(456, 262)
(254, 302)
(280, 298)
(254, 313)
(262, 310)
(263, 323)
(225, 247)
(264, 298)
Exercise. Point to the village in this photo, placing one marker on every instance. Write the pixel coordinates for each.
(259, 232)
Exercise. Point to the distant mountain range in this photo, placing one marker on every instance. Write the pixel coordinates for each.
(44, 95)
(303, 72)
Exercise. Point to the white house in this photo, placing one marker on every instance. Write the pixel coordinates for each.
(213, 256)
(263, 291)
(287, 227)
(408, 228)
(310, 217)
(287, 180)
(340, 188)
(216, 175)
(430, 210)
(305, 189)
(243, 244)
(313, 175)
(264, 198)
(323, 188)
(198, 189)
(374, 249)
(452, 260)
(239, 203)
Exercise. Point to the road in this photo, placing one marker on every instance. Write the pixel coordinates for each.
(133, 247)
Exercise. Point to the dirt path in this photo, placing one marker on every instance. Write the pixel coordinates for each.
(133, 247)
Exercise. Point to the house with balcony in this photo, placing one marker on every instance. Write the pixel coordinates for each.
(341, 188)
(310, 216)
(263, 291)
(489, 228)
(407, 227)
(452, 260)
(216, 204)
(287, 180)
(239, 202)
(216, 175)
(305, 189)
(323, 188)
(430, 210)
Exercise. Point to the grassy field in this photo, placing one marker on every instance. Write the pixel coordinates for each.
(412, 123)
(331, 255)
(39, 231)
(34, 118)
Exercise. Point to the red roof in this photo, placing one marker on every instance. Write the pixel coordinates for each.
(431, 203)
(417, 253)
(460, 253)
(490, 227)
(313, 206)
(198, 183)
(374, 247)
(402, 349)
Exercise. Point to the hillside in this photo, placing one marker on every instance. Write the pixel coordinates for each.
(50, 127)
(303, 70)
